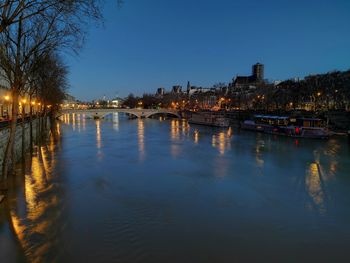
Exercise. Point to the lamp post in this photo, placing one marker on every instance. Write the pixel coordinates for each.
(7, 102)
(23, 106)
(317, 100)
(32, 107)
(39, 108)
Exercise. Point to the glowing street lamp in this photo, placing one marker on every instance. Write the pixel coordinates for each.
(7, 100)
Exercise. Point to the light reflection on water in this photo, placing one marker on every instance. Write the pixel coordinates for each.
(84, 121)
(196, 136)
(98, 134)
(73, 121)
(79, 122)
(116, 121)
(175, 130)
(314, 184)
(141, 138)
(201, 193)
(33, 209)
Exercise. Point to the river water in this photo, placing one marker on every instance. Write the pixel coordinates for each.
(156, 190)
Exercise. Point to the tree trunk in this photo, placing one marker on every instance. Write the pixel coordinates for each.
(31, 128)
(7, 165)
(23, 133)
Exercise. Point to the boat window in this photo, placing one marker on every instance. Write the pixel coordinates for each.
(306, 124)
(317, 123)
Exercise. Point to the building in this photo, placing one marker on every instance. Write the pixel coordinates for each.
(247, 84)
(258, 72)
(188, 87)
(69, 101)
(257, 77)
(116, 102)
(160, 92)
(177, 89)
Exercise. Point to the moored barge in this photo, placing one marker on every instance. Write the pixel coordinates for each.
(289, 126)
(209, 119)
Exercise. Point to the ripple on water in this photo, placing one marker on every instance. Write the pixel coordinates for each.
(149, 191)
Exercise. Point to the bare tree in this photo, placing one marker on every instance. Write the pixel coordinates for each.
(34, 36)
(14, 11)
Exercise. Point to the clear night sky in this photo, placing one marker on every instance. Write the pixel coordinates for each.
(148, 44)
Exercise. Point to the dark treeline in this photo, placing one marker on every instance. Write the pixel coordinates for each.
(322, 92)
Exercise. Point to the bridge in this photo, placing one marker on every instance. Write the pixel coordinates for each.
(102, 113)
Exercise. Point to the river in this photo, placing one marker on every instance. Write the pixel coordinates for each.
(157, 190)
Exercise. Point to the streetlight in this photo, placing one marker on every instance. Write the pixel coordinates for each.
(7, 102)
(23, 105)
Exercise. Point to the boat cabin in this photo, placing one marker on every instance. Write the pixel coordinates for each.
(307, 122)
(271, 120)
(288, 121)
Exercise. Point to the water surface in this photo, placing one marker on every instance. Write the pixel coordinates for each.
(120, 190)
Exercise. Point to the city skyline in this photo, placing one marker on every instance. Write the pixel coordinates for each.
(172, 43)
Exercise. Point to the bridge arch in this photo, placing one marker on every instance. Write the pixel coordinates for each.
(102, 113)
(125, 112)
(164, 112)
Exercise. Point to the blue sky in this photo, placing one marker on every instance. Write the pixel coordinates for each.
(148, 44)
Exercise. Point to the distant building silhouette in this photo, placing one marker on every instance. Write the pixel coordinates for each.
(177, 89)
(247, 84)
(160, 91)
(188, 87)
(258, 72)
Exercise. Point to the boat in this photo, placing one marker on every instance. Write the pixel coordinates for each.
(209, 119)
(301, 127)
